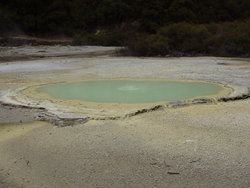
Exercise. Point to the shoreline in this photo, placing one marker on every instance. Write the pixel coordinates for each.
(32, 93)
(72, 67)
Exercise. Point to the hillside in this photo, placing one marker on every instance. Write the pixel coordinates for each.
(148, 28)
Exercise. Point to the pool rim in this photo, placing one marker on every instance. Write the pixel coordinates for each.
(32, 92)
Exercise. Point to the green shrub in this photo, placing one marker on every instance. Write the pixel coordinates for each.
(152, 45)
(229, 39)
(186, 37)
(220, 39)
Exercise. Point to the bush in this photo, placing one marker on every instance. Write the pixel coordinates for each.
(229, 39)
(224, 39)
(186, 37)
(153, 45)
(220, 39)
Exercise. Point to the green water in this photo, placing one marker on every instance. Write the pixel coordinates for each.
(125, 91)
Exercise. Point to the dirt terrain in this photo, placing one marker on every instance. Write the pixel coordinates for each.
(202, 145)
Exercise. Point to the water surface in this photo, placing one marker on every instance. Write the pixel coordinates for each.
(130, 91)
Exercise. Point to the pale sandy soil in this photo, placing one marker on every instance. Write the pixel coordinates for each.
(196, 146)
(207, 145)
(42, 51)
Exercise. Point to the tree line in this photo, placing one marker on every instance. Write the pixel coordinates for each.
(147, 27)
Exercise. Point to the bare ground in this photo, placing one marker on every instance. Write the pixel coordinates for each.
(195, 146)
(198, 146)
